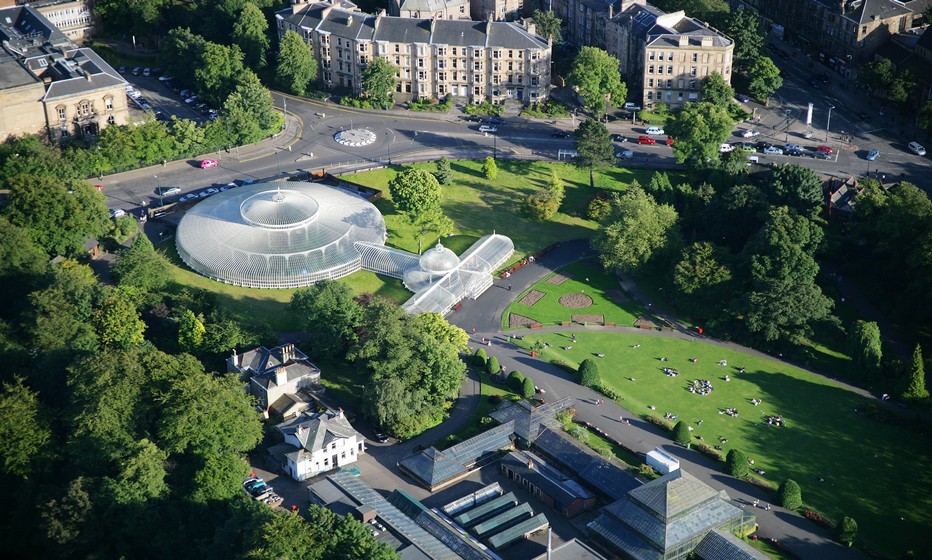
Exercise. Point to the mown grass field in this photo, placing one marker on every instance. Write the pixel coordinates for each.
(873, 472)
(589, 278)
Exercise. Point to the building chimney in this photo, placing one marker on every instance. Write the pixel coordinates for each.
(235, 358)
(281, 376)
(349, 21)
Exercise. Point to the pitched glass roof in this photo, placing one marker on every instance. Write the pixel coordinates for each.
(517, 532)
(435, 467)
(476, 498)
(489, 508)
(431, 522)
(585, 464)
(495, 524)
(722, 545)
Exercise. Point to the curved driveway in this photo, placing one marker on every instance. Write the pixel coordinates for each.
(798, 535)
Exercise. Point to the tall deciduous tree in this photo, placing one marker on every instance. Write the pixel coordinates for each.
(702, 275)
(864, 347)
(327, 309)
(117, 321)
(717, 91)
(216, 69)
(797, 187)
(765, 78)
(249, 112)
(636, 227)
(699, 129)
(593, 147)
(62, 313)
(548, 25)
(489, 168)
(250, 32)
(141, 266)
(783, 298)
(191, 331)
(24, 431)
(416, 193)
(596, 77)
(436, 326)
(913, 387)
(378, 82)
(747, 29)
(296, 67)
(141, 475)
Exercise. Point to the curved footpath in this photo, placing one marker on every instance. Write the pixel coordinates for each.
(793, 532)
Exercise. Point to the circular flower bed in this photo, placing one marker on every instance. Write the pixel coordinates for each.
(575, 301)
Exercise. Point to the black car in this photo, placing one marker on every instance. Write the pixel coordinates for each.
(496, 121)
(381, 438)
(796, 153)
(763, 145)
(560, 134)
(618, 138)
(472, 118)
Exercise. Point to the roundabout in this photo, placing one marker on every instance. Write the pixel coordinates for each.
(355, 137)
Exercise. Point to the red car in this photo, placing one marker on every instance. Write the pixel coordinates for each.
(646, 140)
(824, 149)
(208, 163)
(669, 140)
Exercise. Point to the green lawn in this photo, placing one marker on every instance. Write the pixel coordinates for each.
(864, 462)
(589, 278)
(479, 207)
(271, 306)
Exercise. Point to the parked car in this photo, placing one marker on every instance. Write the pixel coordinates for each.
(624, 154)
(618, 138)
(629, 106)
(748, 147)
(498, 121)
(750, 133)
(165, 78)
(381, 438)
(487, 128)
(560, 134)
(191, 100)
(742, 98)
(654, 130)
(472, 118)
(122, 70)
(725, 148)
(792, 147)
(228, 186)
(208, 163)
(167, 191)
(773, 150)
(872, 155)
(916, 148)
(763, 145)
(822, 155)
(669, 140)
(117, 213)
(187, 197)
(137, 71)
(824, 149)
(209, 192)
(795, 153)
(186, 93)
(646, 140)
(147, 72)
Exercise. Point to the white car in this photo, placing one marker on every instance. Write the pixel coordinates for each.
(725, 148)
(487, 128)
(117, 213)
(624, 154)
(228, 186)
(629, 106)
(209, 192)
(750, 133)
(655, 130)
(165, 78)
(147, 72)
(773, 150)
(191, 99)
(916, 148)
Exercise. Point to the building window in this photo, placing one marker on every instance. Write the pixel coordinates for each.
(669, 84)
(669, 69)
(692, 71)
(326, 461)
(695, 57)
(650, 95)
(650, 82)
(670, 56)
(650, 69)
(333, 445)
(650, 55)
(692, 84)
(62, 113)
(108, 103)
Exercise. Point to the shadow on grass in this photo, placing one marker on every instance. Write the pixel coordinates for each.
(458, 167)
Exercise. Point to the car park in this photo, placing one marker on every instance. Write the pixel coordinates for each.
(824, 149)
(822, 155)
(167, 191)
(654, 130)
(209, 192)
(916, 148)
(795, 153)
(486, 128)
(773, 150)
(646, 140)
(725, 148)
(560, 134)
(117, 213)
(618, 138)
(763, 145)
(208, 163)
(872, 155)
(750, 133)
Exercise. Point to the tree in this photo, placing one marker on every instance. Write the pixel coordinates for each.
(681, 433)
(117, 321)
(250, 33)
(596, 78)
(702, 276)
(589, 375)
(847, 530)
(289, 536)
(783, 298)
(416, 193)
(765, 78)
(798, 187)
(717, 91)
(544, 203)
(432, 221)
(139, 17)
(216, 69)
(902, 86)
(62, 314)
(65, 517)
(435, 325)
(635, 229)
(24, 432)
(925, 113)
(791, 496)
(737, 463)
(378, 82)
(548, 25)
(699, 129)
(746, 27)
(249, 112)
(516, 380)
(141, 475)
(191, 331)
(877, 75)
(489, 168)
(706, 10)
(864, 347)
(492, 366)
(913, 387)
(219, 477)
(479, 358)
(141, 266)
(296, 67)
(527, 388)
(593, 147)
(329, 311)
(444, 173)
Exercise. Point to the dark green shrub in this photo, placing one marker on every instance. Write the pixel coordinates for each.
(492, 366)
(791, 496)
(515, 381)
(737, 463)
(527, 388)
(847, 531)
(681, 433)
(479, 358)
(589, 374)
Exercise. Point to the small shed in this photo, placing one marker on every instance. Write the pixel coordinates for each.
(92, 247)
(662, 462)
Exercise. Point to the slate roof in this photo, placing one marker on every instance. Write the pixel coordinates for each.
(551, 482)
(435, 468)
(722, 545)
(459, 32)
(882, 9)
(352, 25)
(403, 30)
(510, 35)
(431, 5)
(316, 431)
(529, 419)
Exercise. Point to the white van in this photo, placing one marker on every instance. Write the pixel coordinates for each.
(753, 159)
(655, 130)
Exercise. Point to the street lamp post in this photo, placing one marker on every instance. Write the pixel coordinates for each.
(387, 135)
(158, 189)
(828, 123)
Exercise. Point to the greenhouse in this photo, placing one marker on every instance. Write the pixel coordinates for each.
(278, 235)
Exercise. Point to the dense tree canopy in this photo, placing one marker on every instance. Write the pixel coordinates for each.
(765, 78)
(250, 32)
(865, 348)
(717, 91)
(593, 147)
(24, 431)
(596, 77)
(699, 129)
(141, 266)
(634, 230)
(746, 27)
(296, 67)
(378, 82)
(548, 25)
(328, 311)
(797, 187)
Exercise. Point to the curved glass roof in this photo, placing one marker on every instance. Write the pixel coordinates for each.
(278, 235)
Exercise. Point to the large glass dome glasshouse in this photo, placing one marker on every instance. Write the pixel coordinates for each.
(278, 235)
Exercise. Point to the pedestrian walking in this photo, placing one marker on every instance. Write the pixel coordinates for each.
(574, 337)
(509, 287)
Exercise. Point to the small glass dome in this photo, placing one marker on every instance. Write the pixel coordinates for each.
(439, 260)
